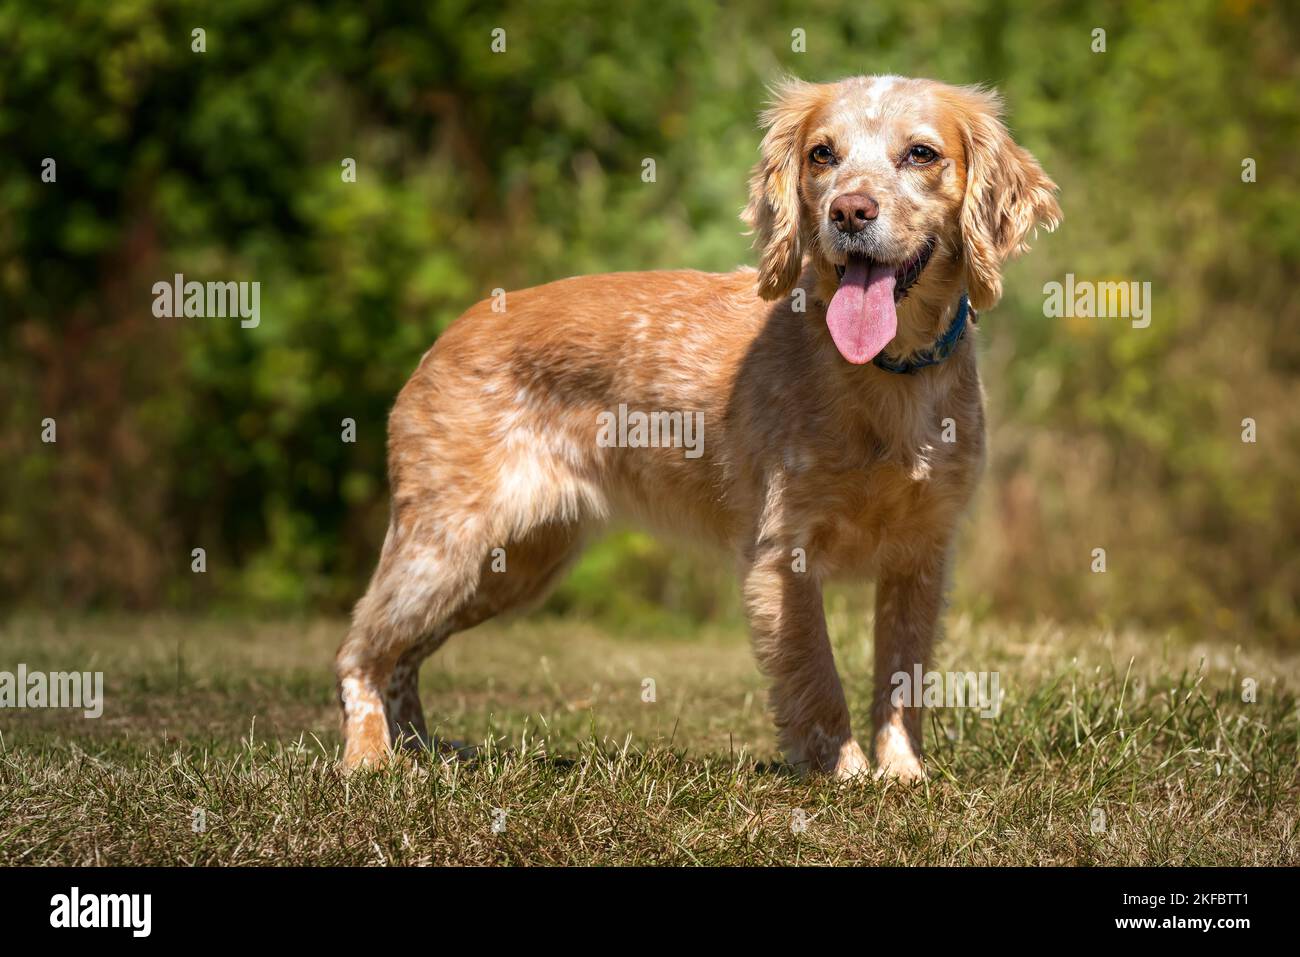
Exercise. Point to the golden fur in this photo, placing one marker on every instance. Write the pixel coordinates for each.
(492, 443)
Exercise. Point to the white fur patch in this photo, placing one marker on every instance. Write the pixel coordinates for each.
(418, 572)
(360, 699)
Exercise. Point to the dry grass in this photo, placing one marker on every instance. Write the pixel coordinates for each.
(237, 719)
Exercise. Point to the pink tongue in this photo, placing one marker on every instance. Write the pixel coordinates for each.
(861, 316)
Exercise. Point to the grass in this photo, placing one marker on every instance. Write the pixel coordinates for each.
(1143, 735)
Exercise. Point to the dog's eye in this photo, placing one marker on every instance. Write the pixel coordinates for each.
(921, 155)
(822, 155)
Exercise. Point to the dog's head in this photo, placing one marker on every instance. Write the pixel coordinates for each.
(901, 193)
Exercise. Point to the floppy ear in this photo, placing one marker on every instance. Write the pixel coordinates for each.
(1007, 195)
(774, 209)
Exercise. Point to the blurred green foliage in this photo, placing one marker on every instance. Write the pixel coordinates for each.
(479, 169)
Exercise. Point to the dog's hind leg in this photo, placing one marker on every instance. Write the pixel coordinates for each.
(419, 583)
(512, 578)
(406, 727)
(421, 593)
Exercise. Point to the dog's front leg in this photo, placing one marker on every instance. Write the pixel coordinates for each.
(908, 602)
(790, 640)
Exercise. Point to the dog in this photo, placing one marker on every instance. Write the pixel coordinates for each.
(883, 209)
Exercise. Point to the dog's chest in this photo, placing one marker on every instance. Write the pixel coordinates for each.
(855, 517)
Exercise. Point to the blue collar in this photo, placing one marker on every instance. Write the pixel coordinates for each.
(932, 356)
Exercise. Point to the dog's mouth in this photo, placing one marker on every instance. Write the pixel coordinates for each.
(906, 275)
(863, 315)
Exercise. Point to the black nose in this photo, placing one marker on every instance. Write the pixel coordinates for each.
(852, 211)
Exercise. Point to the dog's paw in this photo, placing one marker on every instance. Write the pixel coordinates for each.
(851, 763)
(896, 759)
(910, 772)
(452, 751)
